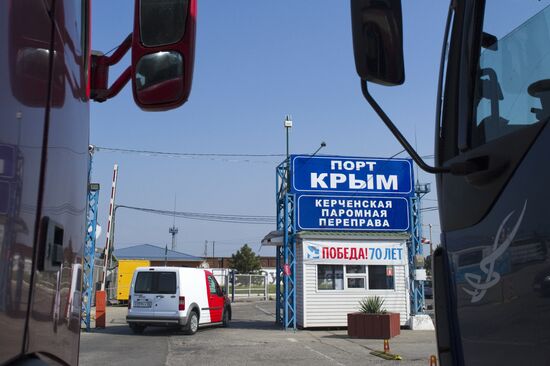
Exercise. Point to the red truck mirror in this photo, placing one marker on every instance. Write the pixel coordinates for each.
(163, 52)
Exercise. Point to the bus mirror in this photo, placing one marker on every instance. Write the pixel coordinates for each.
(377, 28)
(163, 52)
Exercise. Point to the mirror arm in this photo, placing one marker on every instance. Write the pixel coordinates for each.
(119, 83)
(402, 140)
(119, 52)
(99, 77)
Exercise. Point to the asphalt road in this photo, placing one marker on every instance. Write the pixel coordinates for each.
(251, 339)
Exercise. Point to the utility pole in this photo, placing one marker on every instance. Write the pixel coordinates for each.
(174, 230)
(213, 249)
(205, 248)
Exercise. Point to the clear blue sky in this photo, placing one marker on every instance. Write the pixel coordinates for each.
(256, 61)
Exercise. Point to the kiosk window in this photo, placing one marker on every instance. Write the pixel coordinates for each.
(356, 276)
(356, 282)
(381, 278)
(355, 269)
(330, 277)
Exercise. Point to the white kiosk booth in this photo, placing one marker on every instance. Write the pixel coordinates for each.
(335, 270)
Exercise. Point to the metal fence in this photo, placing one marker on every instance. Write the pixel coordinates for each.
(251, 286)
(245, 286)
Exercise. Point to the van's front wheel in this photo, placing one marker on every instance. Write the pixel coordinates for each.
(192, 324)
(225, 318)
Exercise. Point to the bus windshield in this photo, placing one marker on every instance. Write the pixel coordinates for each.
(513, 85)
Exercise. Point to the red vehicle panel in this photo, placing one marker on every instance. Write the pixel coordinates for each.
(216, 299)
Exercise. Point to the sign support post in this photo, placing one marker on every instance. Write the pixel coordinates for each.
(286, 253)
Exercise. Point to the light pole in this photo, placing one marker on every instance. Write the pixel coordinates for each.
(288, 126)
(323, 144)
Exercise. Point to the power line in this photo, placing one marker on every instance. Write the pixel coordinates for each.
(226, 158)
(215, 156)
(402, 151)
(428, 209)
(181, 154)
(228, 218)
(397, 153)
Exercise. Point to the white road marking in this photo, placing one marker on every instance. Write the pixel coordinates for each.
(325, 356)
(294, 340)
(263, 310)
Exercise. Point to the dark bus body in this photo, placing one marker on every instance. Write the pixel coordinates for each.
(44, 134)
(491, 274)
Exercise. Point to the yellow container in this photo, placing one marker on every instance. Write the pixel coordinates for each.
(126, 268)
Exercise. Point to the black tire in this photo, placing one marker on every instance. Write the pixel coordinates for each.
(137, 329)
(192, 323)
(225, 318)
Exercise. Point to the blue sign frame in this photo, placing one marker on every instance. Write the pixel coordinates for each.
(351, 175)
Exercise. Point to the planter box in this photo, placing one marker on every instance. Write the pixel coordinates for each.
(373, 326)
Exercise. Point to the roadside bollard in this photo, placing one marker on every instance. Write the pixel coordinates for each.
(433, 360)
(386, 346)
(100, 304)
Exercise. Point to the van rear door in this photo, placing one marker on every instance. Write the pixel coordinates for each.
(155, 293)
(166, 302)
(143, 299)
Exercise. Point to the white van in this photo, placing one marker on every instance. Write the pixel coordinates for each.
(176, 296)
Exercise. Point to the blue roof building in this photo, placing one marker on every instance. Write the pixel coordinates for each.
(153, 253)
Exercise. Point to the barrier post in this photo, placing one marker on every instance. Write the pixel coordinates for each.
(100, 305)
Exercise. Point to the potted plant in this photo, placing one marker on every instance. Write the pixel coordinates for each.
(373, 321)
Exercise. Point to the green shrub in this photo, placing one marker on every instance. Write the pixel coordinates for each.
(372, 305)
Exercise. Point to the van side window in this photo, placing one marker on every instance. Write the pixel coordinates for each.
(213, 285)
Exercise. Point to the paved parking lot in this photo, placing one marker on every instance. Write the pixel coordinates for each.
(252, 339)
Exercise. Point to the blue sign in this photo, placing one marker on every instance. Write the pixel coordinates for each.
(337, 174)
(352, 213)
